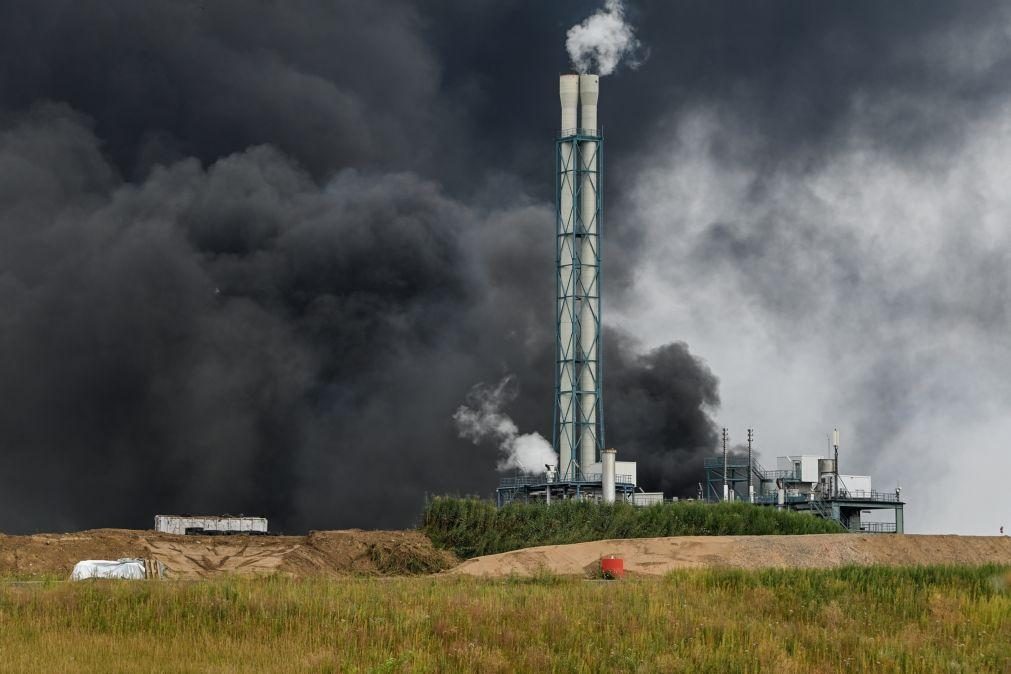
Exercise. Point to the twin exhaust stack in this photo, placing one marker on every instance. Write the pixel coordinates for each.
(575, 90)
(578, 433)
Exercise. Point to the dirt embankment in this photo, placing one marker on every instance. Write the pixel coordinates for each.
(190, 557)
(393, 553)
(653, 556)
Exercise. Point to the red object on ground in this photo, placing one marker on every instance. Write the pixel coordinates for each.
(612, 567)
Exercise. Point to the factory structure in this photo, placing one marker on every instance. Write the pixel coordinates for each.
(807, 483)
(210, 525)
(587, 469)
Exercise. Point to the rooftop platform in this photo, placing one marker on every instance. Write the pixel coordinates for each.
(538, 487)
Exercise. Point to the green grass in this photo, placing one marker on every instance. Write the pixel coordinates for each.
(472, 527)
(881, 620)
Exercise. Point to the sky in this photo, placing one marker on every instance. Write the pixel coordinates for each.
(254, 258)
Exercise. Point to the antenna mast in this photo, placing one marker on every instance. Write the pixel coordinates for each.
(726, 490)
(835, 444)
(751, 487)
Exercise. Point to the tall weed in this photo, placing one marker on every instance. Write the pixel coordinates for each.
(472, 527)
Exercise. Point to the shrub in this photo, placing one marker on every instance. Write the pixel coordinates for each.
(472, 527)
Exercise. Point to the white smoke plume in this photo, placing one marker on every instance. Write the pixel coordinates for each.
(481, 419)
(603, 40)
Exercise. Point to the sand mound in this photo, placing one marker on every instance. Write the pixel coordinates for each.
(386, 553)
(190, 557)
(651, 556)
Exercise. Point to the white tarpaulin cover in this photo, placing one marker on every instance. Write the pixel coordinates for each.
(131, 569)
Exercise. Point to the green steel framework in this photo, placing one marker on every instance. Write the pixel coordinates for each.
(565, 174)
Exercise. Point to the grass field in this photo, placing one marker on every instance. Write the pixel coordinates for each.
(927, 619)
(472, 527)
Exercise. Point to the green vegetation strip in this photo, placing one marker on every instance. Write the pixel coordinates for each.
(882, 620)
(473, 527)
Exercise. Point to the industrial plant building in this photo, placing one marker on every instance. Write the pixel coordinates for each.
(806, 483)
(210, 524)
(586, 469)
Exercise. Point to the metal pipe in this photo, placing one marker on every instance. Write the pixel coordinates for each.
(835, 443)
(589, 90)
(608, 476)
(568, 93)
(751, 487)
(726, 490)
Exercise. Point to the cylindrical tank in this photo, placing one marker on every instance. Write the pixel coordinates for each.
(827, 476)
(608, 476)
(589, 242)
(568, 93)
(612, 567)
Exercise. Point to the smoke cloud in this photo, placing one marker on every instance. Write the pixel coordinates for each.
(266, 286)
(603, 40)
(482, 419)
(870, 255)
(659, 406)
(243, 337)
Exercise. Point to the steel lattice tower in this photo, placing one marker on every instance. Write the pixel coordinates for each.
(578, 429)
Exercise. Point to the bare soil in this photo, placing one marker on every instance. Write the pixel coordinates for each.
(191, 557)
(654, 556)
(397, 553)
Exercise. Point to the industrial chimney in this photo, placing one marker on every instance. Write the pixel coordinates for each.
(608, 477)
(566, 312)
(578, 423)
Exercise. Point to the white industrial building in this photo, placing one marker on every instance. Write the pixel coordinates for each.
(209, 524)
(808, 483)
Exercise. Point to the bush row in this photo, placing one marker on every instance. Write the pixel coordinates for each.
(472, 527)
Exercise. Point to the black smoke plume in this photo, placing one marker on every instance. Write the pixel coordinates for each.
(242, 337)
(253, 257)
(658, 407)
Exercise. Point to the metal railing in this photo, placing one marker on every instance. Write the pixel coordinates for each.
(879, 496)
(761, 472)
(823, 511)
(886, 496)
(780, 475)
(521, 481)
(587, 478)
(589, 133)
(877, 528)
(792, 476)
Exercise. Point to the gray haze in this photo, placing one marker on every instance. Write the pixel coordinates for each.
(254, 257)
